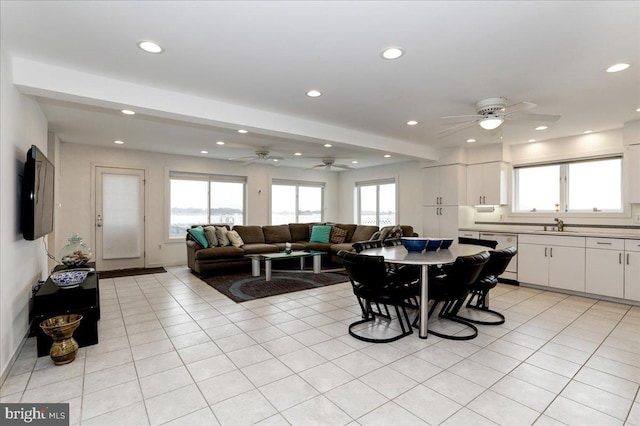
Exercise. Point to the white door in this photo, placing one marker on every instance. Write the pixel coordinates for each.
(119, 221)
(605, 272)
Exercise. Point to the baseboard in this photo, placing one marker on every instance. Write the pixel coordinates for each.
(14, 358)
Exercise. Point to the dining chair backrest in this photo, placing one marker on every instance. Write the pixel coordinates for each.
(392, 242)
(478, 242)
(498, 261)
(364, 270)
(467, 269)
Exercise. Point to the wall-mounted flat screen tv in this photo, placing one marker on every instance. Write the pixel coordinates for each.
(37, 195)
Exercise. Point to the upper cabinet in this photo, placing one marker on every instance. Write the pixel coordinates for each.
(487, 183)
(633, 174)
(444, 185)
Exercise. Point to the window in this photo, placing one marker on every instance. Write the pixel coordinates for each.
(574, 187)
(296, 202)
(377, 202)
(200, 199)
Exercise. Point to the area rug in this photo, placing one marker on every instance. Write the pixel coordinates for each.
(118, 273)
(241, 286)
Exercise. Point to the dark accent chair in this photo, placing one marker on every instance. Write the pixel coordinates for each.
(375, 289)
(488, 279)
(454, 286)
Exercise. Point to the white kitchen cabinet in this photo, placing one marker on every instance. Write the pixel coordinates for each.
(605, 267)
(444, 185)
(632, 270)
(554, 261)
(633, 174)
(440, 221)
(487, 183)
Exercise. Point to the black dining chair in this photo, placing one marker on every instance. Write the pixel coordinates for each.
(453, 286)
(479, 291)
(478, 242)
(374, 288)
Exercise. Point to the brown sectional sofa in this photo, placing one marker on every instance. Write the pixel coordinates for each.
(272, 239)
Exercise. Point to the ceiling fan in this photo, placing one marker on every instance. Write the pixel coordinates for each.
(328, 163)
(261, 154)
(491, 113)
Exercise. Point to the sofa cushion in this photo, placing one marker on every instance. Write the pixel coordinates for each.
(344, 246)
(198, 236)
(349, 227)
(257, 248)
(221, 235)
(235, 239)
(363, 233)
(407, 230)
(318, 246)
(338, 235)
(299, 231)
(320, 234)
(250, 234)
(276, 233)
(210, 233)
(215, 253)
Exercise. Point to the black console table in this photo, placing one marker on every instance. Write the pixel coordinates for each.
(51, 300)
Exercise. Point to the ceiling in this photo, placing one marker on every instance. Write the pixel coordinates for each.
(263, 57)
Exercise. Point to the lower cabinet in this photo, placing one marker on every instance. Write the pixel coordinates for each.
(632, 270)
(605, 266)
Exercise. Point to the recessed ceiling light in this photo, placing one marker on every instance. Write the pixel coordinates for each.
(412, 123)
(243, 131)
(297, 153)
(275, 160)
(471, 140)
(542, 128)
(220, 143)
(118, 142)
(327, 145)
(387, 156)
(637, 109)
(618, 67)
(354, 162)
(531, 140)
(392, 53)
(314, 93)
(128, 112)
(586, 132)
(204, 152)
(150, 46)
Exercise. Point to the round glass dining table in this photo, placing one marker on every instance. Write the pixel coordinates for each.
(400, 255)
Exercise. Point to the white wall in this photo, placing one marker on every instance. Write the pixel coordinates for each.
(77, 192)
(409, 187)
(22, 263)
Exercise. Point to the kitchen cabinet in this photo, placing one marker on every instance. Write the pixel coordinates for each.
(440, 221)
(632, 270)
(605, 267)
(444, 185)
(487, 183)
(633, 174)
(554, 261)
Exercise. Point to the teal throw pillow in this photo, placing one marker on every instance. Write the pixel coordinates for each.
(320, 234)
(198, 235)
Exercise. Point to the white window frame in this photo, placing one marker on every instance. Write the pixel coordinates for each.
(376, 183)
(203, 177)
(564, 190)
(297, 184)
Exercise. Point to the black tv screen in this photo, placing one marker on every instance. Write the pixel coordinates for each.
(37, 195)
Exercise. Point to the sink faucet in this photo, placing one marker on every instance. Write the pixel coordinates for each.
(560, 224)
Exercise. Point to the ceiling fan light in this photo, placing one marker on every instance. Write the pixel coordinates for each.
(491, 123)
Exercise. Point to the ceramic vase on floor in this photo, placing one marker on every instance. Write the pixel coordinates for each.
(61, 328)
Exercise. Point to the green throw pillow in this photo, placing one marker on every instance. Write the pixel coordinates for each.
(198, 235)
(320, 234)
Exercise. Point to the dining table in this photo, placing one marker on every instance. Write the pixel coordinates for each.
(399, 255)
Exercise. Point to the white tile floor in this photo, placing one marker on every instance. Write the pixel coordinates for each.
(174, 351)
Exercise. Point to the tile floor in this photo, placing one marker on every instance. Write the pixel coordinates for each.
(174, 351)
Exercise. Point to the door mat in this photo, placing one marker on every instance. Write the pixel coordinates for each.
(241, 286)
(118, 273)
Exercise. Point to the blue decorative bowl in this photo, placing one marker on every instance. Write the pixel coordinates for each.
(433, 245)
(69, 278)
(414, 244)
(446, 243)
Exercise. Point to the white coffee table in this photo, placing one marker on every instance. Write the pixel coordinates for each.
(270, 257)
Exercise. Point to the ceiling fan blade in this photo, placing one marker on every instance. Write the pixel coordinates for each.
(461, 117)
(456, 128)
(520, 106)
(341, 166)
(523, 116)
(317, 166)
(246, 157)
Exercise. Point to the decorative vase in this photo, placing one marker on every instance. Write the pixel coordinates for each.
(287, 248)
(75, 253)
(60, 329)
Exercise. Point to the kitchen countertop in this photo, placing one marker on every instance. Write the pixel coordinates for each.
(568, 233)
